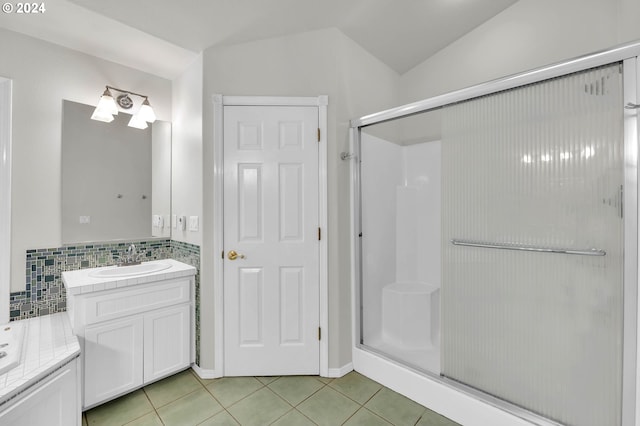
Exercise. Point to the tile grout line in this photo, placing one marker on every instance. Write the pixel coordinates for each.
(241, 399)
(262, 386)
(193, 373)
(284, 414)
(224, 409)
(384, 419)
(298, 404)
(352, 388)
(361, 405)
(347, 396)
(155, 410)
(206, 388)
(295, 407)
(305, 416)
(354, 413)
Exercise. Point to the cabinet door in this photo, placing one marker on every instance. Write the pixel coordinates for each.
(167, 342)
(113, 354)
(51, 403)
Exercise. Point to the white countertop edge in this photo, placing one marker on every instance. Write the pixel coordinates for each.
(48, 339)
(79, 281)
(10, 392)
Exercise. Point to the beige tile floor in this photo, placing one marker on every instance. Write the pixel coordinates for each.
(184, 399)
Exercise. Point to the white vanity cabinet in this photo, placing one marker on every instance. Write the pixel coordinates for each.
(132, 332)
(51, 402)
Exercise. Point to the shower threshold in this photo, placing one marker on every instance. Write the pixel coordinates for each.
(425, 359)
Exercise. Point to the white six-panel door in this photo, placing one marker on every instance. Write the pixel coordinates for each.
(271, 225)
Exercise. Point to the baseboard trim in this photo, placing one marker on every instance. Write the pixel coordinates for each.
(205, 374)
(339, 372)
(214, 374)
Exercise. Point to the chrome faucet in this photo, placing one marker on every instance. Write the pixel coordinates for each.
(131, 257)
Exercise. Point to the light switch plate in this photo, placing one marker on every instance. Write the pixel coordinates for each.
(182, 223)
(158, 222)
(193, 223)
(174, 221)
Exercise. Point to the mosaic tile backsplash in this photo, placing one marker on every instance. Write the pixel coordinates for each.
(45, 294)
(190, 254)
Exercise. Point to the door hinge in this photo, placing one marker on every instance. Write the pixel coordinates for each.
(319, 234)
(319, 333)
(318, 134)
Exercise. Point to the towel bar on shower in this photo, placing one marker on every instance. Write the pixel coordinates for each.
(502, 246)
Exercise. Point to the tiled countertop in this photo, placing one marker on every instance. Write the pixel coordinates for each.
(48, 344)
(80, 281)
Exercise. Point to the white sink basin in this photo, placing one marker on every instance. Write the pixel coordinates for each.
(129, 271)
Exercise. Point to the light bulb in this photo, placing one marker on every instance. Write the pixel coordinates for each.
(107, 104)
(137, 122)
(146, 112)
(101, 116)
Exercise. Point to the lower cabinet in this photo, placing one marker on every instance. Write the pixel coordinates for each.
(166, 342)
(133, 336)
(113, 358)
(52, 402)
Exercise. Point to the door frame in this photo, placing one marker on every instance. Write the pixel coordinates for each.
(219, 102)
(6, 86)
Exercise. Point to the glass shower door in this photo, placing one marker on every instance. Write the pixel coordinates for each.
(532, 245)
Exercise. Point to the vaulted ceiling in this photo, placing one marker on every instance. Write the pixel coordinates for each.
(162, 36)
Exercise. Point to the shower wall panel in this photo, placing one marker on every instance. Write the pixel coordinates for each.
(422, 175)
(381, 174)
(400, 192)
(538, 166)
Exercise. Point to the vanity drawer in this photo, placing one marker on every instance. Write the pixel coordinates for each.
(117, 303)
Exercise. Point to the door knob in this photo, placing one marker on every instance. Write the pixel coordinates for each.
(233, 255)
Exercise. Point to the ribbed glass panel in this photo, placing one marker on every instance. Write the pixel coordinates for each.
(538, 166)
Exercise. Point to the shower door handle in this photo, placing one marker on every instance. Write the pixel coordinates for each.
(233, 255)
(504, 246)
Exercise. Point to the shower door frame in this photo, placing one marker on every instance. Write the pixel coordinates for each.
(452, 399)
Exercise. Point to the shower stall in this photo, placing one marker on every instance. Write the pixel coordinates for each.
(495, 246)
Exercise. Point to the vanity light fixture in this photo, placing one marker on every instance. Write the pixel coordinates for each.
(146, 112)
(108, 107)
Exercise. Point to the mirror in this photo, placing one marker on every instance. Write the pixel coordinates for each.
(116, 180)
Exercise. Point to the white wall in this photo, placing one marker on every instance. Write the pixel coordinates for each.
(364, 85)
(44, 74)
(161, 177)
(527, 35)
(186, 195)
(323, 62)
